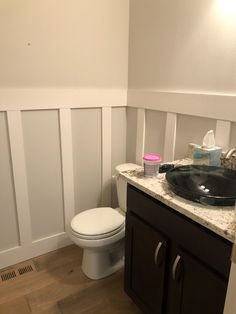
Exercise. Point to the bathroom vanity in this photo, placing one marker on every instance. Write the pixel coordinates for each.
(177, 259)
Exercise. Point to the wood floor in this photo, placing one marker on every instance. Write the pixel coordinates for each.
(54, 284)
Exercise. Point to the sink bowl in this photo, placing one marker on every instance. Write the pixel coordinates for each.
(204, 184)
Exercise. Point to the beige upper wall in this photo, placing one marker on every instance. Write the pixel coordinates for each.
(183, 45)
(174, 45)
(76, 43)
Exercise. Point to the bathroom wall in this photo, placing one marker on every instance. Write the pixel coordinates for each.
(131, 134)
(183, 46)
(52, 43)
(186, 130)
(155, 131)
(41, 140)
(233, 136)
(63, 94)
(54, 164)
(9, 233)
(182, 65)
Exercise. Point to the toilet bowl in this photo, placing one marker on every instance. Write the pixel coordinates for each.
(100, 232)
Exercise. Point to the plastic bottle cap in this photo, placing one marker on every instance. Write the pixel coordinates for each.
(152, 157)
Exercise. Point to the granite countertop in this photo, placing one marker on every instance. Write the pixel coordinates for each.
(220, 220)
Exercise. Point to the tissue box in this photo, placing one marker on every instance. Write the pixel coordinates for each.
(207, 156)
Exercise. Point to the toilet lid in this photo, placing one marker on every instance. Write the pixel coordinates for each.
(97, 221)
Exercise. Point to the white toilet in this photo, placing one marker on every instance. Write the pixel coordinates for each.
(101, 231)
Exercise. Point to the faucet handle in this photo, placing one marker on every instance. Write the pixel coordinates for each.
(228, 159)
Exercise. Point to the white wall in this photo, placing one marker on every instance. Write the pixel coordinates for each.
(183, 46)
(230, 304)
(118, 146)
(74, 43)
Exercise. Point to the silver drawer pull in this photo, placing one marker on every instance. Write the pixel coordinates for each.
(156, 254)
(176, 276)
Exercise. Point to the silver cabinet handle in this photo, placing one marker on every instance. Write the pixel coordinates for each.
(157, 251)
(174, 268)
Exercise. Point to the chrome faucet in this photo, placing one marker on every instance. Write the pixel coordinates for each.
(230, 153)
(228, 160)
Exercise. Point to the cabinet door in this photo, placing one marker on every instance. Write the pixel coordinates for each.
(195, 287)
(145, 254)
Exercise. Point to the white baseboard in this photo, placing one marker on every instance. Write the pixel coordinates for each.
(39, 247)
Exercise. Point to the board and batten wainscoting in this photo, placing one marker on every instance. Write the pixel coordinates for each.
(59, 149)
(165, 122)
(58, 153)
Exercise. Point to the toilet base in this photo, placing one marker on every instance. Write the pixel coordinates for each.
(97, 263)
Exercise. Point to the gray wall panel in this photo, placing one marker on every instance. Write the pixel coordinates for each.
(9, 233)
(86, 134)
(155, 132)
(191, 129)
(131, 134)
(43, 164)
(232, 142)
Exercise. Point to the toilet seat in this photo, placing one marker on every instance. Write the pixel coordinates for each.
(99, 236)
(97, 223)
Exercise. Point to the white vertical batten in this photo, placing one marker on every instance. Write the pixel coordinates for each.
(140, 141)
(222, 136)
(106, 156)
(19, 176)
(67, 165)
(170, 137)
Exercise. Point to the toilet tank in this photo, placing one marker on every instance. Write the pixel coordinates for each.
(121, 184)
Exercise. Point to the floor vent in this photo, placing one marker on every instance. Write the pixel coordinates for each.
(25, 269)
(16, 271)
(8, 275)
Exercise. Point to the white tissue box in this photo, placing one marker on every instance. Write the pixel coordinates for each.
(207, 156)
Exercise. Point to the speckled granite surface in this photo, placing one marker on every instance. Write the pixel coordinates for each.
(220, 220)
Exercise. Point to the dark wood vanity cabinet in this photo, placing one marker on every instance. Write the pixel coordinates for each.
(146, 271)
(172, 264)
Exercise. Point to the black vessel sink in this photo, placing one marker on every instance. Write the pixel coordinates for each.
(204, 184)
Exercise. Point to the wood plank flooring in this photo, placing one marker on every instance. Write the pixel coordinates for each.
(57, 286)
